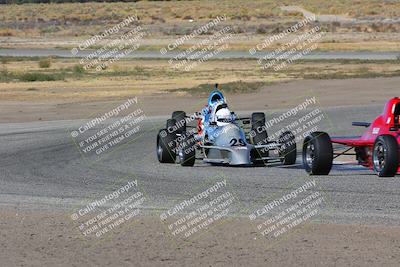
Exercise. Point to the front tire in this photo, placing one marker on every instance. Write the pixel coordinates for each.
(166, 146)
(385, 156)
(180, 121)
(259, 136)
(187, 151)
(318, 153)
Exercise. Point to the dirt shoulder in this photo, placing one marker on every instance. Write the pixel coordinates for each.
(37, 238)
(329, 93)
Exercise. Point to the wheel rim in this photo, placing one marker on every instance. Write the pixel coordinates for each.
(180, 153)
(379, 156)
(310, 154)
(159, 151)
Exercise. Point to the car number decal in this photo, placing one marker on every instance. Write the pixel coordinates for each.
(236, 142)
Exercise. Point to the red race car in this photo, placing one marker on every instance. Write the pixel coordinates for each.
(377, 148)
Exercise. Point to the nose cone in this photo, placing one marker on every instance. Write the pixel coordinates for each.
(240, 155)
(228, 135)
(239, 152)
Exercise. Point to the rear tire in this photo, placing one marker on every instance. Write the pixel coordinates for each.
(166, 146)
(318, 153)
(259, 136)
(385, 156)
(288, 150)
(180, 120)
(187, 151)
(171, 126)
(258, 117)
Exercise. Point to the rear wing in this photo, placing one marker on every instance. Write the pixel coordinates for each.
(244, 120)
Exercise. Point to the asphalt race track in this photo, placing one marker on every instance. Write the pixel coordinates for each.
(363, 55)
(41, 167)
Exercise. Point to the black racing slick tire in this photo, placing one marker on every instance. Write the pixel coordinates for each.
(258, 117)
(187, 150)
(385, 156)
(171, 126)
(318, 153)
(259, 136)
(180, 118)
(166, 146)
(288, 150)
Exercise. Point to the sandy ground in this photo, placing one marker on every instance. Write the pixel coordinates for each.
(38, 238)
(278, 96)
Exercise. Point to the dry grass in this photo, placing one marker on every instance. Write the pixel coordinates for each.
(89, 18)
(66, 25)
(167, 11)
(235, 45)
(374, 46)
(7, 32)
(133, 77)
(148, 11)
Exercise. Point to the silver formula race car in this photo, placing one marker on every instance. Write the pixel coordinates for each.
(218, 136)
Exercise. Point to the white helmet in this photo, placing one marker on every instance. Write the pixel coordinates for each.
(223, 117)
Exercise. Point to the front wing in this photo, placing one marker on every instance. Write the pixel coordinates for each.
(240, 155)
